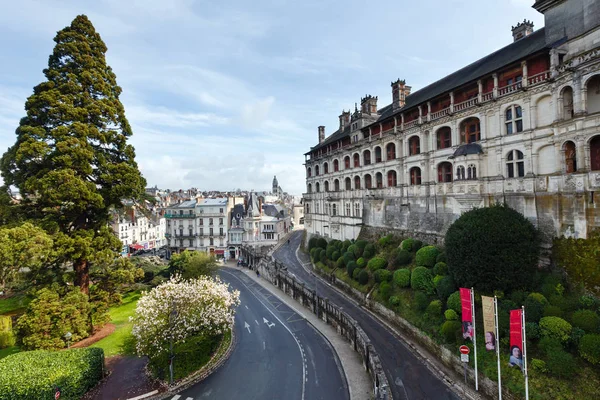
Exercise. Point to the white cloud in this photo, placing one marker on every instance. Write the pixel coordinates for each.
(255, 114)
(163, 116)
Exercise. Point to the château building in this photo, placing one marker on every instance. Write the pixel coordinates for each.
(520, 126)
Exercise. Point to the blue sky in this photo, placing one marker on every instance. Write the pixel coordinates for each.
(226, 94)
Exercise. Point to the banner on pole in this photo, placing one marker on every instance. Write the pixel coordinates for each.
(489, 322)
(467, 315)
(516, 339)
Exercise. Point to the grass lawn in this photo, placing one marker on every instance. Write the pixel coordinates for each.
(14, 303)
(121, 340)
(8, 351)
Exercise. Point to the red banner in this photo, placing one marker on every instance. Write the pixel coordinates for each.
(467, 316)
(516, 339)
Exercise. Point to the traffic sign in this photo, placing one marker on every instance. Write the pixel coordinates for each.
(464, 358)
(57, 395)
(464, 349)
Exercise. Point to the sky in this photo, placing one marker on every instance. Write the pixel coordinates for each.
(226, 94)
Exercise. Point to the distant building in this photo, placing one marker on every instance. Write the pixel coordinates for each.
(139, 230)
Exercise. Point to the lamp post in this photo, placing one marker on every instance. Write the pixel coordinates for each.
(68, 337)
(172, 316)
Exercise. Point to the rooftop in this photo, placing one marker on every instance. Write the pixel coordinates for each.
(213, 202)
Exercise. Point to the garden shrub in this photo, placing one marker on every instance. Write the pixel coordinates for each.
(348, 256)
(518, 296)
(363, 277)
(450, 315)
(34, 374)
(534, 307)
(580, 259)
(384, 241)
(5, 323)
(549, 345)
(449, 330)
(426, 256)
(440, 268)
(351, 250)
(356, 272)
(441, 257)
(322, 243)
(340, 263)
(394, 301)
(376, 263)
(437, 279)
(385, 291)
(335, 256)
(513, 261)
(587, 320)
(445, 287)
(359, 248)
(538, 365)
(402, 277)
(7, 339)
(361, 244)
(421, 279)
(555, 327)
(533, 330)
(313, 253)
(589, 348)
(369, 251)
(434, 309)
(417, 244)
(454, 303)
(420, 301)
(588, 302)
(407, 244)
(402, 258)
(561, 364)
(361, 262)
(576, 335)
(323, 256)
(382, 275)
(329, 251)
(553, 311)
(312, 243)
(345, 244)
(351, 267)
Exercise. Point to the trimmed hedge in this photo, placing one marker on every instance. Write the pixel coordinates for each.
(34, 374)
(421, 279)
(589, 348)
(556, 328)
(382, 275)
(377, 263)
(402, 277)
(587, 320)
(450, 330)
(454, 303)
(450, 315)
(363, 277)
(440, 268)
(407, 244)
(402, 258)
(426, 256)
(361, 262)
(369, 251)
(351, 267)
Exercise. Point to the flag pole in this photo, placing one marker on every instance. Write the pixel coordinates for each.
(474, 336)
(498, 348)
(525, 353)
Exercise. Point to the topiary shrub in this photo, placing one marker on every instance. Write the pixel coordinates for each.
(589, 302)
(351, 267)
(361, 262)
(441, 257)
(7, 339)
(312, 243)
(556, 328)
(587, 320)
(348, 256)
(359, 248)
(440, 268)
(420, 301)
(384, 241)
(553, 311)
(576, 335)
(323, 256)
(322, 243)
(453, 302)
(353, 250)
(356, 272)
(445, 287)
(385, 291)
(513, 261)
(417, 244)
(449, 330)
(376, 263)
(589, 348)
(434, 309)
(363, 277)
(407, 244)
(533, 330)
(335, 255)
(534, 307)
(369, 251)
(345, 244)
(561, 364)
(421, 279)
(426, 256)
(329, 251)
(402, 277)
(382, 275)
(394, 301)
(437, 279)
(450, 315)
(402, 258)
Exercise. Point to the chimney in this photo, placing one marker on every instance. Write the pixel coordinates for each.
(321, 134)
(344, 119)
(260, 206)
(368, 104)
(522, 29)
(400, 92)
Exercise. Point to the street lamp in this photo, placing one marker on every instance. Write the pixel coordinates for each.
(68, 336)
(172, 316)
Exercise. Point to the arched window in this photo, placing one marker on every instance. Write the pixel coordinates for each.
(336, 185)
(325, 168)
(444, 138)
(515, 164)
(377, 154)
(472, 172)
(348, 184)
(595, 153)
(391, 176)
(347, 162)
(460, 172)
(308, 172)
(379, 180)
(567, 102)
(570, 157)
(356, 160)
(316, 170)
(347, 209)
(318, 187)
(336, 165)
(444, 172)
(327, 186)
(593, 94)
(308, 189)
(368, 182)
(414, 146)
(391, 151)
(366, 157)
(415, 176)
(334, 210)
(357, 182)
(470, 131)
(514, 119)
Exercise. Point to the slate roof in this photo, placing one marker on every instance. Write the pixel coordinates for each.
(465, 149)
(185, 204)
(507, 55)
(273, 210)
(214, 202)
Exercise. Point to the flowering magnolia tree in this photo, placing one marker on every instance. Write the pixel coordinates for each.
(179, 309)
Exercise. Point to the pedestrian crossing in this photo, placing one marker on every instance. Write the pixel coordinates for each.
(177, 397)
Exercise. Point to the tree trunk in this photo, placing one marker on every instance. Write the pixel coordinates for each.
(82, 275)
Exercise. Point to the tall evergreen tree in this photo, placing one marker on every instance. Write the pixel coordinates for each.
(71, 161)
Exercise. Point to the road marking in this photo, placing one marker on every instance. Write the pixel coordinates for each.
(264, 346)
(256, 322)
(269, 324)
(246, 307)
(245, 326)
(175, 397)
(190, 398)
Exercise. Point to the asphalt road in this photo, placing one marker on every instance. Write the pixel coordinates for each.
(408, 376)
(278, 355)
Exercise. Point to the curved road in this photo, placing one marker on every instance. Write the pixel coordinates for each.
(278, 354)
(409, 378)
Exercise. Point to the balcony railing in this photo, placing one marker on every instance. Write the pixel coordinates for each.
(538, 78)
(410, 124)
(465, 104)
(440, 114)
(487, 96)
(168, 216)
(508, 89)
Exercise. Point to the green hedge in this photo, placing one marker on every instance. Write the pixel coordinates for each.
(402, 277)
(426, 256)
(34, 374)
(376, 263)
(587, 320)
(556, 328)
(421, 279)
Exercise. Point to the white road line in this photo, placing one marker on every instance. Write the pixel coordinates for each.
(246, 307)
(175, 397)
(190, 398)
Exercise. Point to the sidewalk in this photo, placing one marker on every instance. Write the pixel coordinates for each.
(359, 382)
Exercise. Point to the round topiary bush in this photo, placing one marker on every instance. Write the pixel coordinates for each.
(437, 279)
(345, 244)
(402, 277)
(441, 257)
(322, 243)
(445, 287)
(382, 275)
(426, 256)
(556, 328)
(417, 244)
(335, 255)
(533, 330)
(420, 301)
(369, 251)
(376, 263)
(361, 262)
(363, 277)
(348, 256)
(589, 348)
(356, 272)
(407, 244)
(351, 267)
(513, 261)
(384, 241)
(454, 303)
(440, 268)
(402, 258)
(434, 309)
(450, 315)
(587, 320)
(534, 307)
(450, 330)
(385, 291)
(353, 250)
(421, 279)
(330, 250)
(312, 243)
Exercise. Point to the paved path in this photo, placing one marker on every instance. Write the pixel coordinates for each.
(127, 379)
(409, 377)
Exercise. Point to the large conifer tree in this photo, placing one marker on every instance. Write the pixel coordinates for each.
(71, 161)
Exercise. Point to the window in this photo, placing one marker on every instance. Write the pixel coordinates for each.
(379, 180)
(444, 139)
(460, 172)
(515, 164)
(347, 162)
(309, 188)
(348, 183)
(334, 210)
(414, 146)
(327, 186)
(444, 172)
(570, 157)
(514, 120)
(317, 208)
(415, 176)
(368, 181)
(211, 232)
(336, 185)
(180, 212)
(347, 209)
(470, 131)
(181, 242)
(356, 160)
(356, 210)
(391, 151)
(567, 101)
(391, 176)
(308, 172)
(377, 154)
(366, 157)
(190, 212)
(326, 168)
(336, 165)
(595, 153)
(212, 242)
(191, 243)
(220, 221)
(221, 212)
(181, 232)
(210, 221)
(201, 231)
(220, 231)
(318, 187)
(316, 170)
(472, 172)
(357, 182)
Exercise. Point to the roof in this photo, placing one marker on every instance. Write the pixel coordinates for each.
(466, 149)
(507, 55)
(184, 204)
(273, 210)
(213, 202)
